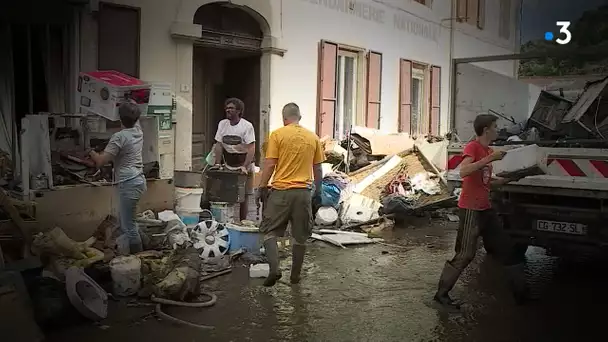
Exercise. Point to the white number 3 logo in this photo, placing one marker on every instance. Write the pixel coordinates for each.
(564, 29)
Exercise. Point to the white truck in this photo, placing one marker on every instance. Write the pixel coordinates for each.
(566, 209)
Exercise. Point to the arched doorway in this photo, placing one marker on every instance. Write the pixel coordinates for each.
(226, 64)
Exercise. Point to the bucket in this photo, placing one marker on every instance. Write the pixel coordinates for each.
(187, 179)
(225, 212)
(188, 198)
(126, 275)
(248, 238)
(189, 217)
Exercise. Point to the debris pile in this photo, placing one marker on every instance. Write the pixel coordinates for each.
(371, 179)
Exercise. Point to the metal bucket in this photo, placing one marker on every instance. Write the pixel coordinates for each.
(187, 179)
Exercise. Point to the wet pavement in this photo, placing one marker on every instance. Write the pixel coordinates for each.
(380, 293)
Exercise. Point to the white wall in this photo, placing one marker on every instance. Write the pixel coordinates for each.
(507, 96)
(397, 29)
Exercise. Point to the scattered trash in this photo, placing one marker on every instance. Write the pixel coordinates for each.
(259, 270)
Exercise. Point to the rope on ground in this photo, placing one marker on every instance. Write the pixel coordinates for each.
(163, 315)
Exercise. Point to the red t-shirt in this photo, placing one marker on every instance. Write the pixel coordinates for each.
(475, 193)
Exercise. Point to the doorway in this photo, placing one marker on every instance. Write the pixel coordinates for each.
(226, 64)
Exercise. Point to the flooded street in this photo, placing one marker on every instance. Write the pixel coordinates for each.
(379, 293)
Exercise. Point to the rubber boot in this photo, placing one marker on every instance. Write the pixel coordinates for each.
(297, 259)
(272, 254)
(516, 275)
(448, 279)
(135, 248)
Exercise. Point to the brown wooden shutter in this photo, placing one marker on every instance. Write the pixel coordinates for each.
(327, 93)
(481, 14)
(472, 11)
(405, 95)
(461, 10)
(374, 85)
(435, 102)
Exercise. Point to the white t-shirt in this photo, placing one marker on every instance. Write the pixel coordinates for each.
(234, 139)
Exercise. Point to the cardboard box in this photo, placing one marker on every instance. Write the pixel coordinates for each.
(519, 162)
(101, 92)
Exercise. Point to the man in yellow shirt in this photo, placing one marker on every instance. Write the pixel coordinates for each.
(293, 154)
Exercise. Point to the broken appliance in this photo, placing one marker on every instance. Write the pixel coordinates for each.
(548, 114)
(101, 92)
(588, 118)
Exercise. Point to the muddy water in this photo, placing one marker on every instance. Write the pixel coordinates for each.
(381, 293)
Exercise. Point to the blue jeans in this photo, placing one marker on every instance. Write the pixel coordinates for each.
(129, 193)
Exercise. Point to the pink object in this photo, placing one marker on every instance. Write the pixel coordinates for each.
(101, 92)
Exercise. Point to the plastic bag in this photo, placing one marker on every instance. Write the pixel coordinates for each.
(330, 195)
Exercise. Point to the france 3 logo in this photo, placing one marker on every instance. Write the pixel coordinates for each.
(565, 36)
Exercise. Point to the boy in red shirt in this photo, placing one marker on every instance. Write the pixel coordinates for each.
(477, 218)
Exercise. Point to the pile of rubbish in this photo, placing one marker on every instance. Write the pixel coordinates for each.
(81, 277)
(390, 180)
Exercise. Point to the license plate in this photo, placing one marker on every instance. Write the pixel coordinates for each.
(561, 227)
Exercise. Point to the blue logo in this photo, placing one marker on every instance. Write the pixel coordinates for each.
(549, 36)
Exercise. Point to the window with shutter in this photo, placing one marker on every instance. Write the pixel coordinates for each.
(327, 88)
(405, 95)
(461, 10)
(118, 38)
(374, 84)
(435, 100)
(472, 12)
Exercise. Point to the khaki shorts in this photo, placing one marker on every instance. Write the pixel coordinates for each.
(288, 206)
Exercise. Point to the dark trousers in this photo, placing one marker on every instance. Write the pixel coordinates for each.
(484, 223)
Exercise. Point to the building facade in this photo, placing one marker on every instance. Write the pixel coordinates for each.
(378, 63)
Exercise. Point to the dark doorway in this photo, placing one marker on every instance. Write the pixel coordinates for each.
(226, 64)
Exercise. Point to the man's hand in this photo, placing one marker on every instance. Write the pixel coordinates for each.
(261, 194)
(497, 155)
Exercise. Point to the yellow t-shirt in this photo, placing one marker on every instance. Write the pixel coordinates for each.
(296, 150)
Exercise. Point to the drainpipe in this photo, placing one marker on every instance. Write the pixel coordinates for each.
(452, 79)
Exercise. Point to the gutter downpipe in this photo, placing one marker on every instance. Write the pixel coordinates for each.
(453, 73)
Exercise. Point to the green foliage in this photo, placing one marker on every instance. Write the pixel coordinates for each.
(590, 31)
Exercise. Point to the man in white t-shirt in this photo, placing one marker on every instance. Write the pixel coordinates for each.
(235, 145)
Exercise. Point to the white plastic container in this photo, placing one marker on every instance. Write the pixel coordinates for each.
(225, 212)
(126, 275)
(259, 271)
(326, 216)
(188, 199)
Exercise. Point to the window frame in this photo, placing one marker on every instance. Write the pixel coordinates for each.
(110, 5)
(462, 13)
(360, 96)
(420, 71)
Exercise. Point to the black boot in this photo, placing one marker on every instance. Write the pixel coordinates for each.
(517, 281)
(297, 259)
(272, 254)
(448, 279)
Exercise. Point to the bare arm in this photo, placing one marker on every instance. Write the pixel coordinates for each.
(218, 151)
(267, 171)
(250, 154)
(101, 158)
(317, 171)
